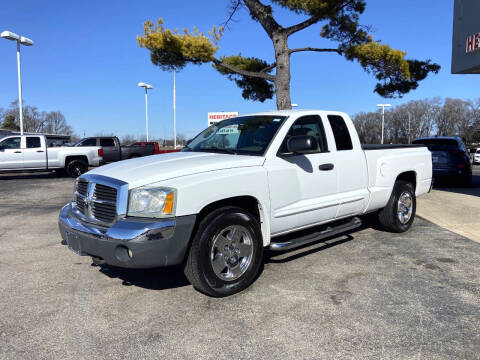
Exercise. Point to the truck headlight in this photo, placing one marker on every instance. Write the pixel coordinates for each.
(151, 202)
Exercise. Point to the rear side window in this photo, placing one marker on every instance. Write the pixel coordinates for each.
(340, 132)
(89, 142)
(107, 142)
(33, 142)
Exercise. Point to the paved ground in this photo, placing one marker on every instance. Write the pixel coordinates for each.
(456, 209)
(370, 295)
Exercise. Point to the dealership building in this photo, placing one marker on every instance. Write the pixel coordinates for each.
(466, 37)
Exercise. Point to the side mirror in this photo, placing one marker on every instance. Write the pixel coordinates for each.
(302, 144)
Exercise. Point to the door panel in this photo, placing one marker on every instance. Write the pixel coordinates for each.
(34, 154)
(303, 188)
(300, 193)
(110, 151)
(11, 154)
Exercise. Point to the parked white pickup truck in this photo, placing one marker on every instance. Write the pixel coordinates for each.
(30, 153)
(238, 187)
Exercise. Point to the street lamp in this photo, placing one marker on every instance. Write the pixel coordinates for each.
(383, 106)
(27, 42)
(147, 87)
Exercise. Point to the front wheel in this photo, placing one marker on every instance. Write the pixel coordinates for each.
(226, 252)
(399, 213)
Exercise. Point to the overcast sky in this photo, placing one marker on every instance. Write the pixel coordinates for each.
(86, 62)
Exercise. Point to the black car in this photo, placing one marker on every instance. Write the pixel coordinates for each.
(450, 158)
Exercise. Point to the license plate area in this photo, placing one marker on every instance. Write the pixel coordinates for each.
(73, 242)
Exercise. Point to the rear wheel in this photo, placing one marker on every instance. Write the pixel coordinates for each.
(226, 252)
(399, 213)
(75, 168)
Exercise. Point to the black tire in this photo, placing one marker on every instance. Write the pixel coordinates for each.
(75, 168)
(389, 215)
(199, 268)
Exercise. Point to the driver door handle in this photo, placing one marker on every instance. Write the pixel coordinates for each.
(17, 152)
(326, 167)
(40, 151)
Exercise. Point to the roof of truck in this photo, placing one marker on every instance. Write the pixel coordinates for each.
(294, 112)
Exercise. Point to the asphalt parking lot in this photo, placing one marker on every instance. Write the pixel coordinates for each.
(367, 295)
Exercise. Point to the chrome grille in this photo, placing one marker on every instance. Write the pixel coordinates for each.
(104, 212)
(82, 187)
(107, 193)
(96, 202)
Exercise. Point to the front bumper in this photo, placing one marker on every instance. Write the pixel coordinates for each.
(130, 243)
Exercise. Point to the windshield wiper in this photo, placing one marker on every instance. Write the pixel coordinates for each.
(216, 149)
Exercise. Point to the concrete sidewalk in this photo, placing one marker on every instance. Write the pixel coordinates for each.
(456, 209)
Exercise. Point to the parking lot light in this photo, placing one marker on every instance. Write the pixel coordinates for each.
(23, 41)
(147, 87)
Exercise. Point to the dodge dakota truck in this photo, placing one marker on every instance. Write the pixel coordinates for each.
(240, 186)
(31, 153)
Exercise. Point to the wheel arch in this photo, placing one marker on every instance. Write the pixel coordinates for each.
(70, 158)
(408, 176)
(246, 202)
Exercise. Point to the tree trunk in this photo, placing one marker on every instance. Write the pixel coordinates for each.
(282, 77)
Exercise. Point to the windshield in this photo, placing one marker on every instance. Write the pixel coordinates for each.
(245, 135)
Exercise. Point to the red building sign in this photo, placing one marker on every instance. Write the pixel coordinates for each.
(473, 43)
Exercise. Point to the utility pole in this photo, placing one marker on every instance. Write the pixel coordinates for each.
(409, 130)
(174, 111)
(383, 106)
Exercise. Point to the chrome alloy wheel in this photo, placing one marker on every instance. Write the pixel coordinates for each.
(231, 252)
(405, 207)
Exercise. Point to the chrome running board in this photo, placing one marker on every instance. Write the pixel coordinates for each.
(315, 236)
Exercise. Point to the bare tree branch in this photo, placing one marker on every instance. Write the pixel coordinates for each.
(338, 51)
(261, 75)
(232, 10)
(304, 24)
(268, 68)
(314, 19)
(263, 14)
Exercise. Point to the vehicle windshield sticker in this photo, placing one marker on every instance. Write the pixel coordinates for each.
(230, 129)
(277, 119)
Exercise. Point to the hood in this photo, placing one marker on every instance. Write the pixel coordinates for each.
(150, 169)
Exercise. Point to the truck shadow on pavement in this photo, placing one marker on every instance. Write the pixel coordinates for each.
(153, 279)
(24, 176)
(173, 277)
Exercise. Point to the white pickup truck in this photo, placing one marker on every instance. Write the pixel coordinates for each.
(30, 153)
(238, 187)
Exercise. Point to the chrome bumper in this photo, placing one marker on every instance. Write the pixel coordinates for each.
(133, 243)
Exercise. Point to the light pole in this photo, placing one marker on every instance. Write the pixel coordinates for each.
(147, 87)
(174, 110)
(27, 42)
(383, 106)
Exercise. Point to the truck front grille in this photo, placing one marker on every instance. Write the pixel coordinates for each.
(96, 202)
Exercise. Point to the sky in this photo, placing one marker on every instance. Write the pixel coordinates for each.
(86, 62)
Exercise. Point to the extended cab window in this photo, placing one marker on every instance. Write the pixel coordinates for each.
(11, 143)
(340, 132)
(307, 125)
(107, 142)
(33, 142)
(88, 142)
